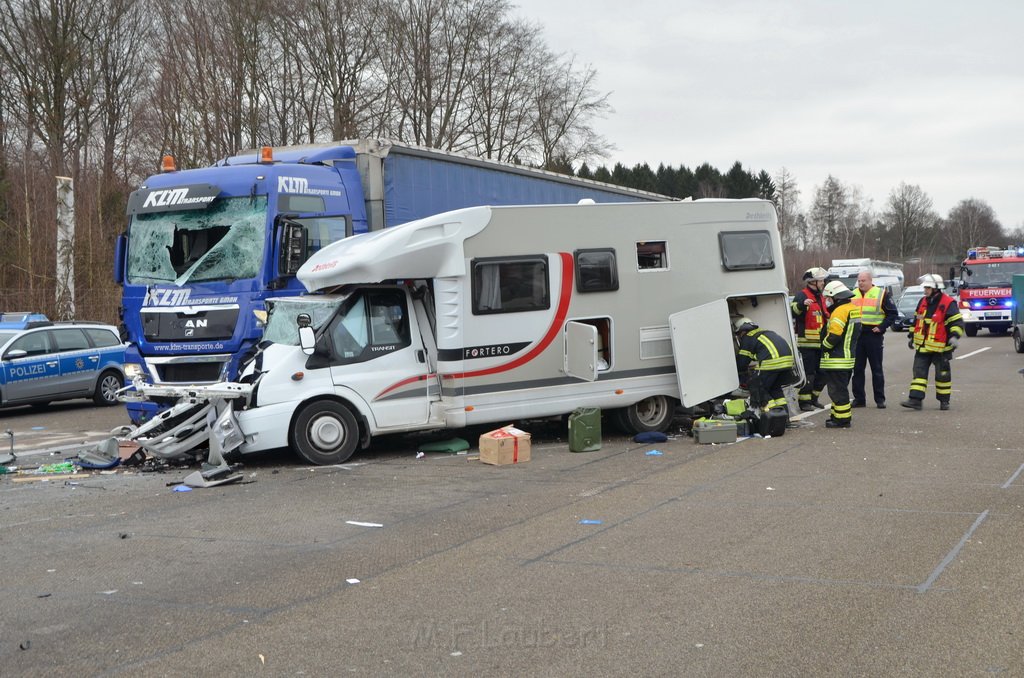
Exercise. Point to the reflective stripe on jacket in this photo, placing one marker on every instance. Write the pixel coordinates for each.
(765, 350)
(839, 346)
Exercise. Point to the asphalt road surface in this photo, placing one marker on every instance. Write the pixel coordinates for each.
(894, 548)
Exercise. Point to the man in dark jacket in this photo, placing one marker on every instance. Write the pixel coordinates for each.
(877, 313)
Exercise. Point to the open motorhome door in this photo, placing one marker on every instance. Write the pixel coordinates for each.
(580, 351)
(704, 352)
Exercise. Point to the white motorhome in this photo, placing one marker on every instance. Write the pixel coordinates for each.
(498, 314)
(884, 274)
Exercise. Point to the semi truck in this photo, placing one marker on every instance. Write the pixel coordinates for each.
(984, 289)
(206, 248)
(497, 314)
(885, 274)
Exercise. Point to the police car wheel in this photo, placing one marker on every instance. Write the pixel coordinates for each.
(325, 432)
(650, 414)
(106, 389)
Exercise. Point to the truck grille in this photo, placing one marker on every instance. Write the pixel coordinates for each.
(189, 373)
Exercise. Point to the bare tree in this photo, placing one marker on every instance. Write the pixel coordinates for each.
(503, 116)
(828, 214)
(338, 43)
(787, 203)
(971, 223)
(567, 104)
(909, 222)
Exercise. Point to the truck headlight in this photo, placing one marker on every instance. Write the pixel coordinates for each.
(132, 370)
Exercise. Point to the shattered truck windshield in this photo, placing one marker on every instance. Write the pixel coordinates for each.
(222, 242)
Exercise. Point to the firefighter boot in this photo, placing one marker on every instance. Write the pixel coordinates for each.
(912, 403)
(944, 405)
(837, 423)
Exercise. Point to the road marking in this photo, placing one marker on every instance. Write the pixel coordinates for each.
(980, 350)
(1012, 478)
(951, 555)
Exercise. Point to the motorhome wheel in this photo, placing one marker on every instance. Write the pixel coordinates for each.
(1018, 343)
(650, 414)
(325, 432)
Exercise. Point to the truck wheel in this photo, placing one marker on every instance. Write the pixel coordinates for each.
(972, 330)
(1018, 343)
(650, 414)
(325, 432)
(106, 388)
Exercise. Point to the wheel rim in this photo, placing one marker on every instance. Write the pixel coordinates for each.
(326, 433)
(109, 389)
(652, 411)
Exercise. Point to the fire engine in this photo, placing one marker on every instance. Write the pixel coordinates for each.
(984, 287)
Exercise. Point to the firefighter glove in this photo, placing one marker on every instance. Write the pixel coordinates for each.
(953, 342)
(910, 342)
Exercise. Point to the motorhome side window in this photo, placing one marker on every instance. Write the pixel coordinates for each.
(652, 255)
(746, 250)
(510, 285)
(596, 270)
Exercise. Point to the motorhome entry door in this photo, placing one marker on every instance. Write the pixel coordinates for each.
(580, 359)
(703, 348)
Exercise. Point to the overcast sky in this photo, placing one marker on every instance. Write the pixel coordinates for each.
(874, 92)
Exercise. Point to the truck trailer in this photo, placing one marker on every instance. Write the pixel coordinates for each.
(499, 314)
(205, 248)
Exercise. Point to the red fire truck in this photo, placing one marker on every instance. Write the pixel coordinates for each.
(984, 287)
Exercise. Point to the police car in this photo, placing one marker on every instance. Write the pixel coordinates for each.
(42, 361)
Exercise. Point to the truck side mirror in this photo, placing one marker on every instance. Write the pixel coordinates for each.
(293, 248)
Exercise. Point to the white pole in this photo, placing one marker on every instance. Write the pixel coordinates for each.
(65, 248)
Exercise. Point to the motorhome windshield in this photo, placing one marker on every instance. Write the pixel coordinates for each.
(282, 325)
(223, 242)
(989, 274)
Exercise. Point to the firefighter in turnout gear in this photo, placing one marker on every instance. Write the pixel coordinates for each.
(838, 348)
(769, 359)
(938, 327)
(810, 315)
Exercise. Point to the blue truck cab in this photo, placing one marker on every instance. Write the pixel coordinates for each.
(205, 248)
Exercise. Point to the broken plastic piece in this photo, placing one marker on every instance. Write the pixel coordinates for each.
(102, 455)
(588, 521)
(361, 524)
(654, 453)
(182, 488)
(212, 476)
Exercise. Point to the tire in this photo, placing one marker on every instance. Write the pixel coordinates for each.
(972, 330)
(325, 432)
(650, 414)
(107, 387)
(1018, 342)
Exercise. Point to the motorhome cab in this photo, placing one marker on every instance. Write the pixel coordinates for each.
(498, 314)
